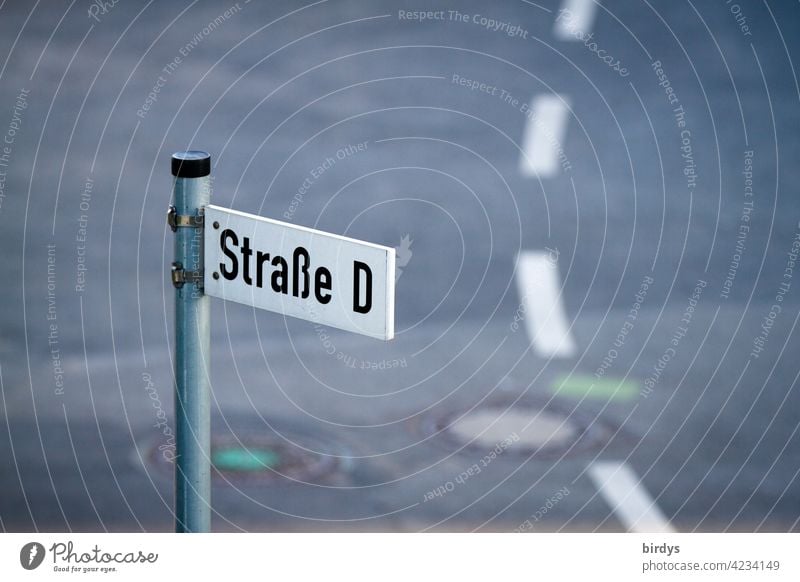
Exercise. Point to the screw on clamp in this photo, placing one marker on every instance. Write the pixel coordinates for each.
(176, 221)
(181, 276)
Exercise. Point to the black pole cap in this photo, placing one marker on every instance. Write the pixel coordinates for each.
(191, 164)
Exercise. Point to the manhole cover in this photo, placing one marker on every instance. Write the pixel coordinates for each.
(545, 431)
(255, 458)
(525, 427)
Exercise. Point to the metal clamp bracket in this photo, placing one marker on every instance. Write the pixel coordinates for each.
(181, 276)
(176, 221)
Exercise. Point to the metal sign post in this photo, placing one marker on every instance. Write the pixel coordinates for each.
(267, 264)
(191, 193)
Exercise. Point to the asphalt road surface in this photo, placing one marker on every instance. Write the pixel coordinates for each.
(597, 228)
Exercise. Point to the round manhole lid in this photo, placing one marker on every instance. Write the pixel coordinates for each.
(518, 428)
(527, 428)
(256, 458)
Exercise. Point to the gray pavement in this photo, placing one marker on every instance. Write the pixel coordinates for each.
(692, 188)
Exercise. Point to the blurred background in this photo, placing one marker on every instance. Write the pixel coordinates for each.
(596, 235)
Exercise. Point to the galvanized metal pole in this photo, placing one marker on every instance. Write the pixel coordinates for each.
(191, 193)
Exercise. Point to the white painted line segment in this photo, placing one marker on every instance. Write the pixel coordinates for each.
(545, 318)
(543, 138)
(623, 491)
(575, 16)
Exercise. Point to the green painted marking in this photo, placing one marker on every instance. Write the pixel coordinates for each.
(244, 459)
(606, 388)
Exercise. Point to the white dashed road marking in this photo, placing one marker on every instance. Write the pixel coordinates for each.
(542, 149)
(545, 319)
(574, 16)
(623, 491)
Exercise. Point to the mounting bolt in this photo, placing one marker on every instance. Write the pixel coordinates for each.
(216, 224)
(215, 275)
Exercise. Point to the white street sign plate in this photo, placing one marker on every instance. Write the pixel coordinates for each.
(301, 272)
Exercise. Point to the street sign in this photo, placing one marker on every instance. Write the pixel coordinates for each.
(301, 272)
(289, 269)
